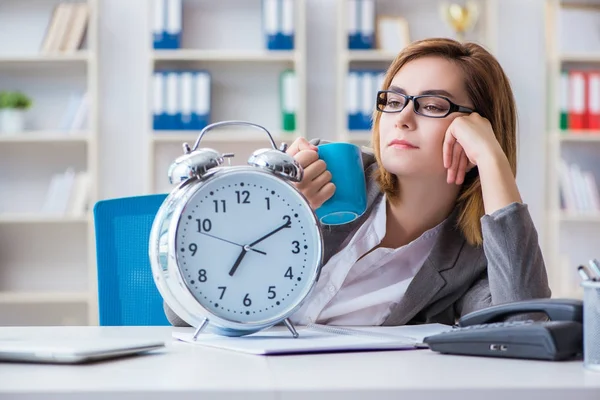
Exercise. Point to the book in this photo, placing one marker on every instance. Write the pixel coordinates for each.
(315, 338)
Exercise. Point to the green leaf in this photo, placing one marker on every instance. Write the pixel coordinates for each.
(15, 99)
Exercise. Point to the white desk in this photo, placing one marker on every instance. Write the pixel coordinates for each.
(184, 371)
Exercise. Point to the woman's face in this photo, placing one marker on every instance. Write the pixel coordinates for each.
(411, 144)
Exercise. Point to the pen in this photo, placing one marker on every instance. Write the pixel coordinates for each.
(581, 270)
(595, 267)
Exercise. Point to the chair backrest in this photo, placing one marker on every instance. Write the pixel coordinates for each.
(127, 294)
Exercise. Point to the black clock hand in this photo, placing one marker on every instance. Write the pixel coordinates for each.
(237, 262)
(237, 244)
(286, 225)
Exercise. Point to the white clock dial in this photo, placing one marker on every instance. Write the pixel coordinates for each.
(248, 246)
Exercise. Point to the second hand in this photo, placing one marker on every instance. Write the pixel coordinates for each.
(237, 244)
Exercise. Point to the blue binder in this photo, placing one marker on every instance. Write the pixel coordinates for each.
(167, 28)
(362, 91)
(278, 24)
(361, 24)
(202, 96)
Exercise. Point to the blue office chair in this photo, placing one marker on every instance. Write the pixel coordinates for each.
(127, 294)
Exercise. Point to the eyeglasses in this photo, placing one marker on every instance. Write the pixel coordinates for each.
(430, 106)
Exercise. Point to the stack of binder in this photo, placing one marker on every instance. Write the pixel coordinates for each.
(361, 24)
(288, 99)
(167, 26)
(362, 96)
(181, 100)
(278, 24)
(580, 100)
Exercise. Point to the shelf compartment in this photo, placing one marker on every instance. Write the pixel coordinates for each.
(43, 297)
(44, 258)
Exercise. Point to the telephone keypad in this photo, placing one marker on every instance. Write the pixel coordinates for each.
(492, 325)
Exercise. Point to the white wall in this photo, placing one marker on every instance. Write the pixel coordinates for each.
(123, 47)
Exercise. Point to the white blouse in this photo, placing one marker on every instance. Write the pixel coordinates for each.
(361, 292)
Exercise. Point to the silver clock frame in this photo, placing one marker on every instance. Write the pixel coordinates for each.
(194, 175)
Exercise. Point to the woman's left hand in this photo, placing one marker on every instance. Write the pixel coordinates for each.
(468, 140)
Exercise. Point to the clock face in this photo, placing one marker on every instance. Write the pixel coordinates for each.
(248, 246)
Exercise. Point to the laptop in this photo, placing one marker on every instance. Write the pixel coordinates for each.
(73, 351)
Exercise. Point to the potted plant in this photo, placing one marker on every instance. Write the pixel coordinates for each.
(12, 111)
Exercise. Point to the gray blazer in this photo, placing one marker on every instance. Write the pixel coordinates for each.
(456, 278)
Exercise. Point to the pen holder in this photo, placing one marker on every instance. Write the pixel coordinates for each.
(591, 325)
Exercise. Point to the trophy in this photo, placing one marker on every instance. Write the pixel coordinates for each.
(460, 17)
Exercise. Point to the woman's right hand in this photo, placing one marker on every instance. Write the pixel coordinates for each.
(316, 183)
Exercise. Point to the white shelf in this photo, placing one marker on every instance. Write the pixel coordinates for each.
(369, 55)
(37, 246)
(224, 55)
(578, 136)
(43, 297)
(46, 136)
(222, 135)
(79, 56)
(36, 218)
(590, 217)
(580, 58)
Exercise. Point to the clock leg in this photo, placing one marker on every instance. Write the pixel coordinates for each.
(201, 327)
(290, 326)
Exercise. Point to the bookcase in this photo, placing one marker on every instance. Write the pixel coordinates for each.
(424, 20)
(244, 80)
(572, 141)
(47, 258)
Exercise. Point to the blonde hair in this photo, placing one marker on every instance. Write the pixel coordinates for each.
(489, 89)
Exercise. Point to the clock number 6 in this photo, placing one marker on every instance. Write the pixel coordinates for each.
(247, 301)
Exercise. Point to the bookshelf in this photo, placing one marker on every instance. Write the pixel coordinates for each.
(47, 259)
(244, 81)
(424, 20)
(570, 234)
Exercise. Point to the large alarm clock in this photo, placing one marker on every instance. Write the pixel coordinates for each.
(235, 249)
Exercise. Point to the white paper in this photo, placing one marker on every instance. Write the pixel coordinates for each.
(311, 341)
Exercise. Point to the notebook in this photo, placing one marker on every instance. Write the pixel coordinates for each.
(316, 338)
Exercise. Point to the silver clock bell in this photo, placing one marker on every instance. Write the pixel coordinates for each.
(196, 163)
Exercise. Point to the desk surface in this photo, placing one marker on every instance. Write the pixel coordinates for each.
(185, 371)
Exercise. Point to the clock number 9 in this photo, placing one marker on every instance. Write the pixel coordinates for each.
(193, 248)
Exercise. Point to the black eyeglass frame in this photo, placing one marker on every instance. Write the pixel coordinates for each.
(453, 107)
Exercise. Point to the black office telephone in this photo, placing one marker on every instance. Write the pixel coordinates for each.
(485, 333)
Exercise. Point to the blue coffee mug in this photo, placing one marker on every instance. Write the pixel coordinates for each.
(344, 161)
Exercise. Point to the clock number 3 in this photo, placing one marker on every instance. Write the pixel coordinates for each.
(296, 245)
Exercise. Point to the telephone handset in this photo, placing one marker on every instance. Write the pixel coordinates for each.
(485, 333)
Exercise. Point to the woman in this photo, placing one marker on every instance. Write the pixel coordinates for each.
(445, 232)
